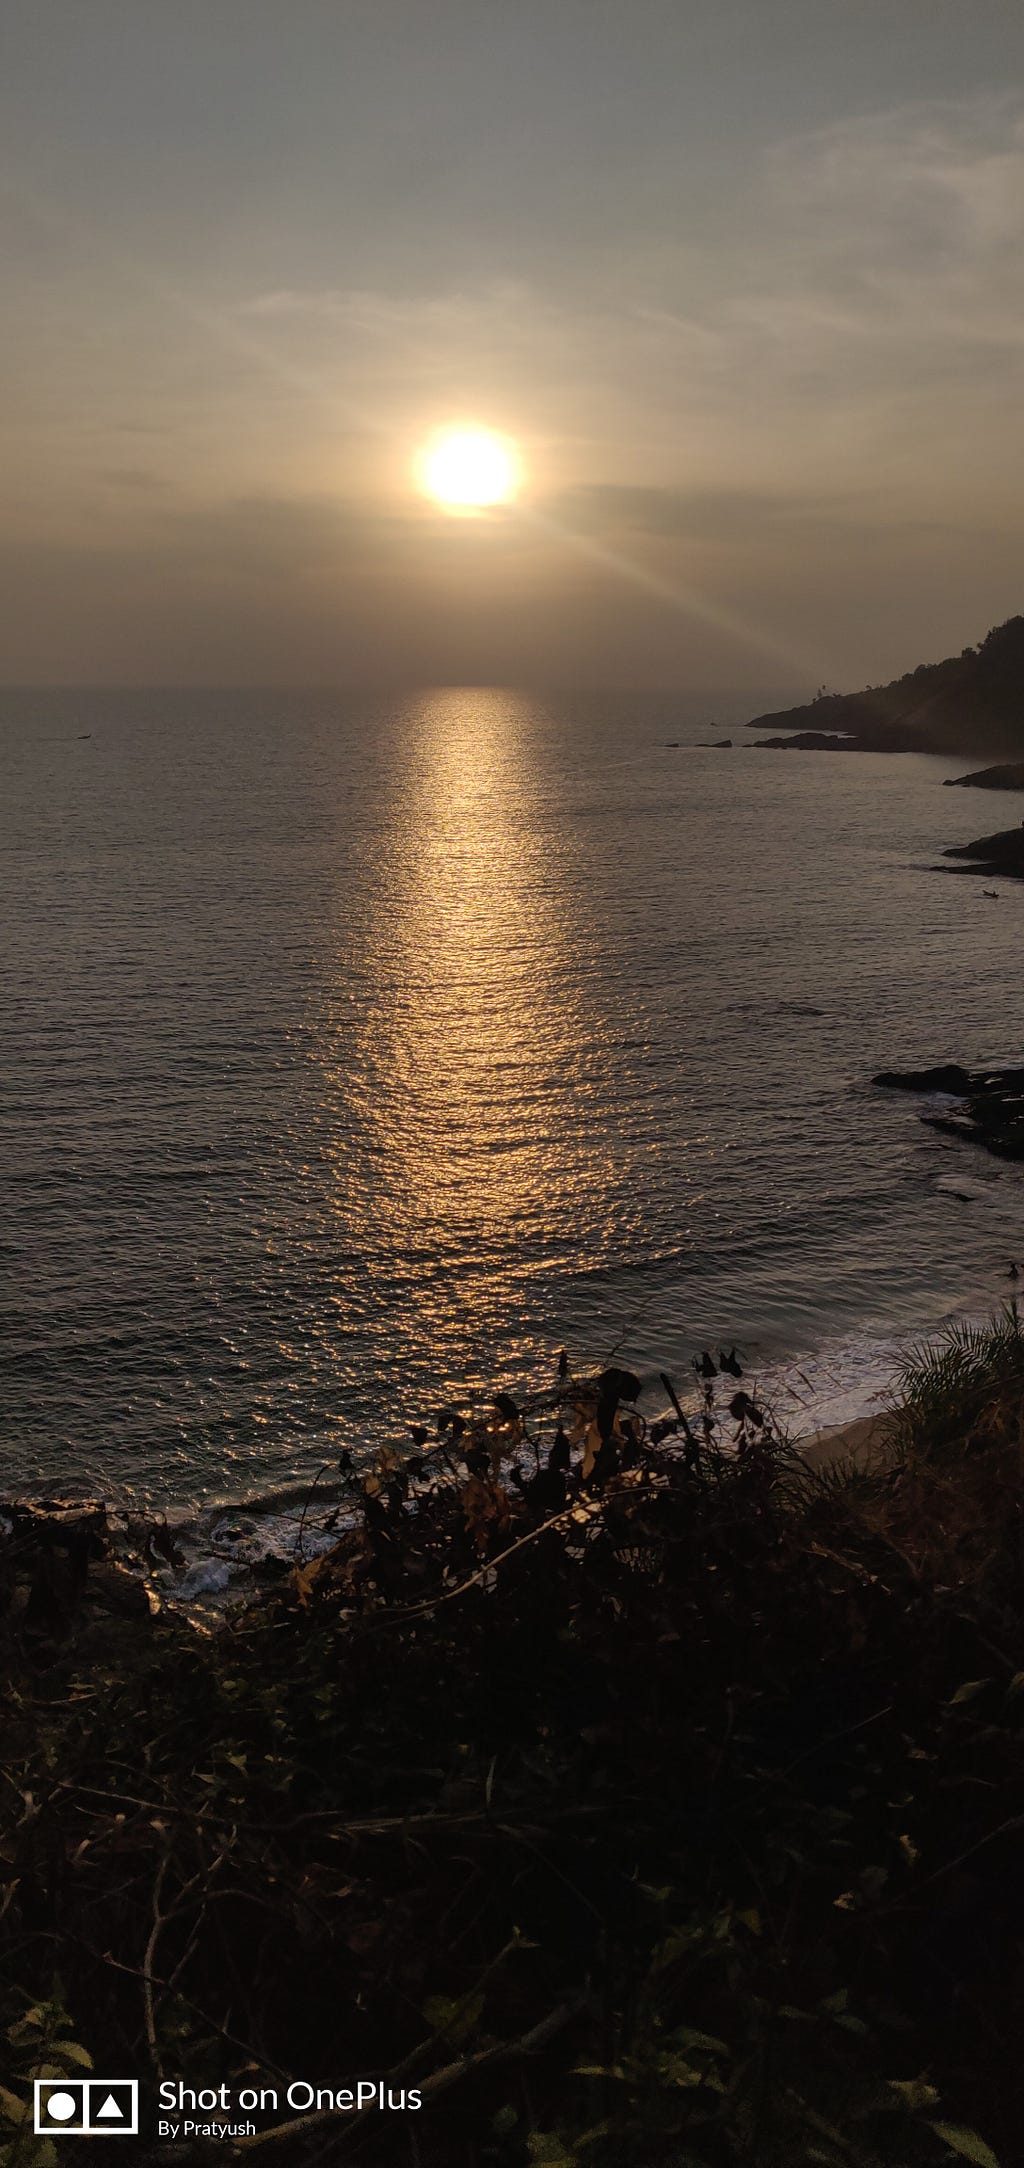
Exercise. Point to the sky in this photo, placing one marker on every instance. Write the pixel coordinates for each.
(741, 279)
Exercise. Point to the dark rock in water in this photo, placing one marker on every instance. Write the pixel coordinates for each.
(715, 745)
(811, 741)
(947, 1077)
(60, 1575)
(993, 1111)
(1002, 854)
(1008, 777)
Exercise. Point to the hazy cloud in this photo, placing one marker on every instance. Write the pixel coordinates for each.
(803, 409)
(875, 259)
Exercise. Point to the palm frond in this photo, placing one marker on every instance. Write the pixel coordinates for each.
(941, 1388)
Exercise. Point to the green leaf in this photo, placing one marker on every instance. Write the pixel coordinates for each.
(14, 2110)
(675, 2070)
(914, 2093)
(969, 1691)
(69, 2051)
(505, 2121)
(688, 2038)
(873, 1880)
(826, 2130)
(967, 2143)
(26, 2028)
(1016, 1686)
(455, 2019)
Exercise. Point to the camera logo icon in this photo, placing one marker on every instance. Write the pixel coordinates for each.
(87, 2107)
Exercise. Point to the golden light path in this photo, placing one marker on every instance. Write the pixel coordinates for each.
(468, 1099)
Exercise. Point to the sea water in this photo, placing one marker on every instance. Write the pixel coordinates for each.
(360, 1052)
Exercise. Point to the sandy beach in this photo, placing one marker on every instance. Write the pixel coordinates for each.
(865, 1439)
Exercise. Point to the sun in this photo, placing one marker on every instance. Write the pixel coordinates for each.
(468, 469)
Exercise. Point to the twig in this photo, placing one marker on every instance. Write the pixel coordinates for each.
(506, 2051)
(371, 1826)
(147, 1964)
(591, 1510)
(439, 2081)
(1015, 1822)
(245, 2047)
(834, 1737)
(849, 1565)
(297, 1546)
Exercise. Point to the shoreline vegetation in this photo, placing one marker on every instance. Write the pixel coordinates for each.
(970, 704)
(660, 1805)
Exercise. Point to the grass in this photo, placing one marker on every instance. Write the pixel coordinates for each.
(948, 1393)
(670, 1820)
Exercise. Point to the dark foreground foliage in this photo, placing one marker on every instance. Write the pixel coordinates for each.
(664, 1811)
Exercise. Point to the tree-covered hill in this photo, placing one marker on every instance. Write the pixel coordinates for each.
(972, 703)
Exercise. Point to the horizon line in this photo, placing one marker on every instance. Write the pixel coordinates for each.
(382, 685)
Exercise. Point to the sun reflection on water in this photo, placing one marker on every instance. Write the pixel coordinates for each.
(466, 1084)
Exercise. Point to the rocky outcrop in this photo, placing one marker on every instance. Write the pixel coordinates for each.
(811, 741)
(1008, 777)
(991, 1110)
(1000, 856)
(947, 1076)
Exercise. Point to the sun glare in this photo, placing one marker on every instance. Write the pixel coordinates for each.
(466, 469)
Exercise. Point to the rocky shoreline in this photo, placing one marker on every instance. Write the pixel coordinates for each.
(990, 1108)
(971, 702)
(82, 1567)
(1001, 856)
(825, 741)
(1007, 776)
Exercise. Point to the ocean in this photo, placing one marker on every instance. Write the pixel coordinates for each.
(361, 1052)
